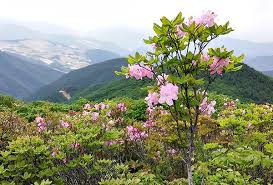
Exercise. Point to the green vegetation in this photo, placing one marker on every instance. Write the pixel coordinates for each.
(247, 85)
(236, 148)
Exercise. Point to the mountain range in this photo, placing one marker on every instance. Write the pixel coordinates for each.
(77, 80)
(99, 82)
(20, 77)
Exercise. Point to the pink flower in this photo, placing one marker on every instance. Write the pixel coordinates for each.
(172, 151)
(154, 46)
(135, 134)
(108, 113)
(207, 108)
(138, 72)
(39, 120)
(113, 142)
(249, 125)
(87, 106)
(41, 127)
(162, 79)
(41, 124)
(121, 107)
(95, 116)
(218, 65)
(180, 33)
(207, 19)
(205, 57)
(152, 99)
(102, 106)
(168, 93)
(54, 154)
(65, 124)
(75, 145)
(149, 124)
(194, 63)
(97, 107)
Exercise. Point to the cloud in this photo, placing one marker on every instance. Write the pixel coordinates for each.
(250, 18)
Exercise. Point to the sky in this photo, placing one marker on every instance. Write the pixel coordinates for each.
(251, 19)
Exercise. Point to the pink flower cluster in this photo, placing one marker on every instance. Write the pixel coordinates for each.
(113, 142)
(229, 104)
(139, 72)
(205, 57)
(101, 106)
(41, 124)
(152, 99)
(95, 116)
(75, 145)
(121, 107)
(87, 106)
(179, 32)
(135, 134)
(154, 45)
(168, 93)
(207, 19)
(207, 108)
(218, 65)
(64, 124)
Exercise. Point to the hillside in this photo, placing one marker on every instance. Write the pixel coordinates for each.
(268, 73)
(246, 84)
(76, 81)
(98, 82)
(20, 77)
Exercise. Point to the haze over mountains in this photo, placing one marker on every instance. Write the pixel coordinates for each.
(55, 51)
(20, 77)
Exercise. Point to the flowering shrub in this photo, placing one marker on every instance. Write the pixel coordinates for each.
(180, 134)
(180, 66)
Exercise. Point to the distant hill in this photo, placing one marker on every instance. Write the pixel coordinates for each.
(268, 73)
(99, 55)
(261, 63)
(77, 80)
(20, 77)
(98, 82)
(246, 85)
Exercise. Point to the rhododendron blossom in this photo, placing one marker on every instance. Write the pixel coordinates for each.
(162, 79)
(218, 65)
(95, 116)
(121, 107)
(65, 124)
(180, 33)
(152, 99)
(139, 72)
(154, 46)
(75, 145)
(41, 124)
(207, 19)
(135, 134)
(168, 93)
(205, 57)
(207, 108)
(87, 106)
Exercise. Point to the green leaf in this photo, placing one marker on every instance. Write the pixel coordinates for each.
(178, 19)
(131, 59)
(26, 175)
(157, 29)
(165, 21)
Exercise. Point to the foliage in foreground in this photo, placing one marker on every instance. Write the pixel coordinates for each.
(112, 147)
